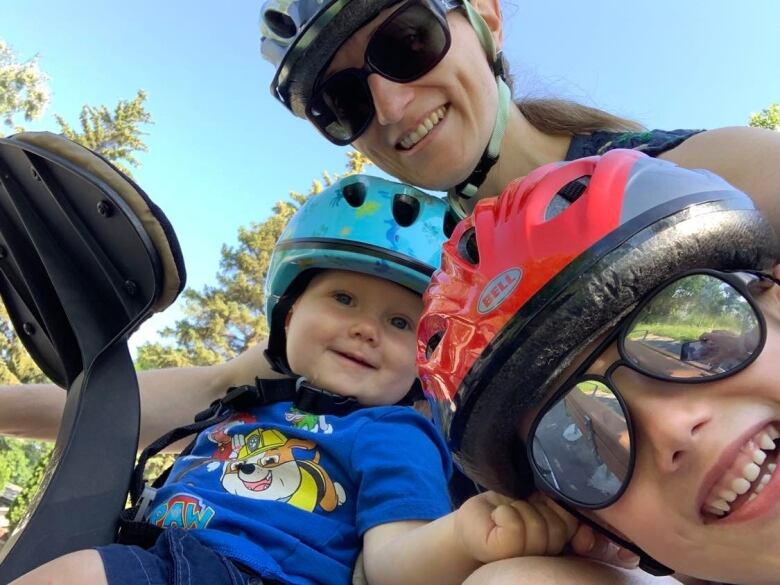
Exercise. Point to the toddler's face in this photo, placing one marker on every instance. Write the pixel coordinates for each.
(355, 335)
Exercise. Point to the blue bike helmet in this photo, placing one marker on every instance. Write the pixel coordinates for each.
(300, 37)
(363, 224)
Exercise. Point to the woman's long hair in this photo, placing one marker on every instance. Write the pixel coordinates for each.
(566, 117)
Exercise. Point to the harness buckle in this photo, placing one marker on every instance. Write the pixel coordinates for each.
(309, 398)
(147, 495)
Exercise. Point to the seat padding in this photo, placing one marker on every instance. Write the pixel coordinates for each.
(53, 146)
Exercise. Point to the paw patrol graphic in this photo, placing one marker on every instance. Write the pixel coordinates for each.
(219, 435)
(182, 511)
(308, 422)
(265, 467)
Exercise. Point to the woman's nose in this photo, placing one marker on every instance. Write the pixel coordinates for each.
(670, 422)
(390, 98)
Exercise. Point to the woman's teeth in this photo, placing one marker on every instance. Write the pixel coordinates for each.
(422, 130)
(750, 470)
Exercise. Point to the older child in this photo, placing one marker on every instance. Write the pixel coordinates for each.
(286, 495)
(628, 370)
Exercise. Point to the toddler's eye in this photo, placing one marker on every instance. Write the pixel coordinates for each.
(400, 323)
(343, 298)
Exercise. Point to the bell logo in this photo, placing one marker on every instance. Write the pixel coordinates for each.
(497, 290)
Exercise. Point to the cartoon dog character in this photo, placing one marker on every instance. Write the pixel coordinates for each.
(265, 467)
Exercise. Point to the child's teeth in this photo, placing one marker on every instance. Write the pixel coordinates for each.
(751, 471)
(719, 505)
(740, 485)
(759, 456)
(766, 442)
(727, 495)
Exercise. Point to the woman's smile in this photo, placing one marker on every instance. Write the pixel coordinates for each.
(410, 139)
(734, 484)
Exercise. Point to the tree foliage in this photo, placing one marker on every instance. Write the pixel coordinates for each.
(18, 508)
(768, 118)
(24, 89)
(115, 135)
(224, 320)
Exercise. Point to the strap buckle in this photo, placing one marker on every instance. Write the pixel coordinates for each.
(309, 398)
(147, 495)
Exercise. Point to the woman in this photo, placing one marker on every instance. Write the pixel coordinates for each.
(627, 371)
(405, 83)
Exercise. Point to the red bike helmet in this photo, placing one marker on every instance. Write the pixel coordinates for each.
(532, 277)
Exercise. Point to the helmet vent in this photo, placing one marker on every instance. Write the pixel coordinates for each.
(354, 194)
(433, 342)
(280, 24)
(566, 195)
(450, 221)
(405, 209)
(467, 247)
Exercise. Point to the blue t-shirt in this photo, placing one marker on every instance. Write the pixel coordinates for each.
(290, 494)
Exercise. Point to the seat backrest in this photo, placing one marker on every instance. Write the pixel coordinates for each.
(85, 257)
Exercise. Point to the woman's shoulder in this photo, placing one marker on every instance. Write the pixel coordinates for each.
(651, 142)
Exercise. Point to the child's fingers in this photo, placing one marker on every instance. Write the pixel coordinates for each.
(583, 540)
(527, 525)
(556, 529)
(570, 521)
(593, 545)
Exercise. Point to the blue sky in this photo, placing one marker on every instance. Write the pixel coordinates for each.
(222, 151)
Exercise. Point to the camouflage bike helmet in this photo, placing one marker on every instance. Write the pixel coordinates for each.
(300, 37)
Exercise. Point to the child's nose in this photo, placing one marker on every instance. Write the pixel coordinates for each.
(365, 328)
(670, 423)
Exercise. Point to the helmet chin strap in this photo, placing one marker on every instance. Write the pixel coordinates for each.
(468, 188)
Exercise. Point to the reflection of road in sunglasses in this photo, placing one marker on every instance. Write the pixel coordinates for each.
(598, 415)
(582, 445)
(715, 352)
(661, 355)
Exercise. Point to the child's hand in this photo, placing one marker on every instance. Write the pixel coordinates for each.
(493, 527)
(594, 545)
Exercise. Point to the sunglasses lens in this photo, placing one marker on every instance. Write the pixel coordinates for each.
(408, 45)
(697, 327)
(342, 107)
(581, 445)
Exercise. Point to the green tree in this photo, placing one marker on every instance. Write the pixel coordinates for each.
(115, 135)
(768, 118)
(224, 320)
(18, 508)
(24, 89)
(19, 459)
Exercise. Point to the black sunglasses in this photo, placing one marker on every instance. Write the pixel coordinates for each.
(699, 326)
(406, 46)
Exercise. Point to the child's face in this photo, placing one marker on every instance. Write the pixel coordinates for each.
(692, 443)
(355, 335)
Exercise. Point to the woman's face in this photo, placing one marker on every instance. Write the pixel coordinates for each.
(694, 446)
(457, 100)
